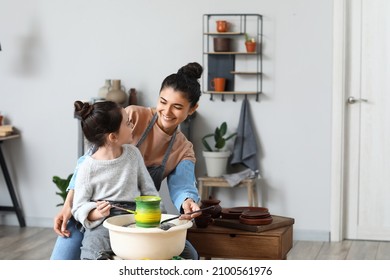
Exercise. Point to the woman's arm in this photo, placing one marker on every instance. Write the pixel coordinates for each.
(182, 187)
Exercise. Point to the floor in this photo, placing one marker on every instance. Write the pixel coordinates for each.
(35, 243)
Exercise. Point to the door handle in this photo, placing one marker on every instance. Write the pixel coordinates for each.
(353, 100)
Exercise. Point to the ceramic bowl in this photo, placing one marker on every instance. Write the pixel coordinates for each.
(136, 243)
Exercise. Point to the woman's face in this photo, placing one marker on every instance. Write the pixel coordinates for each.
(172, 109)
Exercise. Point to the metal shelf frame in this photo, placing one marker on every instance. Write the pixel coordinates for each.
(221, 60)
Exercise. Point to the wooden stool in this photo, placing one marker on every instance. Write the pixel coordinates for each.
(205, 183)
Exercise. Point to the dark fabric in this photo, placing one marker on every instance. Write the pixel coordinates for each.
(245, 148)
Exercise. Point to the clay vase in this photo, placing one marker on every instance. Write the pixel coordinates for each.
(216, 212)
(117, 92)
(148, 211)
(102, 93)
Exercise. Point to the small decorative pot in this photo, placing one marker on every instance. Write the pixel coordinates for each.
(117, 92)
(222, 25)
(102, 93)
(222, 44)
(148, 212)
(250, 46)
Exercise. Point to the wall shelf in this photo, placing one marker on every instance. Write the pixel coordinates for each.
(241, 69)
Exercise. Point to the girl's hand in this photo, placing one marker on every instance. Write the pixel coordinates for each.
(103, 208)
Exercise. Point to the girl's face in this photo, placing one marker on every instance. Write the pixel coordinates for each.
(125, 133)
(172, 109)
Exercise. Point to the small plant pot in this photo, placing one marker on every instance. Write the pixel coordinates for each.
(216, 163)
(250, 46)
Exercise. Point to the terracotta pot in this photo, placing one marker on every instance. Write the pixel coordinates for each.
(222, 25)
(250, 46)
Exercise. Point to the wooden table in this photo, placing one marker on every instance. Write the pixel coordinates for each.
(16, 207)
(206, 183)
(231, 243)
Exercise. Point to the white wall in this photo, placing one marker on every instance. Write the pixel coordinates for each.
(55, 52)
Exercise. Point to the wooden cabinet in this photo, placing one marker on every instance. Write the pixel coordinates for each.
(241, 69)
(229, 243)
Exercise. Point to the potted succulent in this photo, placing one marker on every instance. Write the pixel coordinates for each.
(62, 184)
(250, 43)
(216, 159)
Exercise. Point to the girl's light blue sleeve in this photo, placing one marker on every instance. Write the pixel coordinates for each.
(72, 182)
(182, 183)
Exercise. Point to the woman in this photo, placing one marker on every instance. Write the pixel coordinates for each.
(166, 152)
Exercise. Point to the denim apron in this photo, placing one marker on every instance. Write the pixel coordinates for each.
(157, 171)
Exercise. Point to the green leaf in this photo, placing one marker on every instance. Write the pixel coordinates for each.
(223, 128)
(62, 185)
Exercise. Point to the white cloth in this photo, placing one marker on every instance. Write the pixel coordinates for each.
(235, 178)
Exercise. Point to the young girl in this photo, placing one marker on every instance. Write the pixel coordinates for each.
(116, 172)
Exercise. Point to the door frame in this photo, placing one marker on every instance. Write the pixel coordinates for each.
(337, 204)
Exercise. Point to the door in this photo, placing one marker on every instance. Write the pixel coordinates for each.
(367, 143)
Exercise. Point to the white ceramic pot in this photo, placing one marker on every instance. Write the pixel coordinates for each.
(216, 162)
(135, 243)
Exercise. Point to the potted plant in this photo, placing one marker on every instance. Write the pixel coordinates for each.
(216, 159)
(62, 185)
(250, 43)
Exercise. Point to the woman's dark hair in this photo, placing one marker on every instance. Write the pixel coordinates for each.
(98, 119)
(186, 81)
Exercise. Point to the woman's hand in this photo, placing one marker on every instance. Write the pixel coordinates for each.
(62, 218)
(189, 206)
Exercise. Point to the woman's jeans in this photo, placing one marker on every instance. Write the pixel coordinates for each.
(68, 248)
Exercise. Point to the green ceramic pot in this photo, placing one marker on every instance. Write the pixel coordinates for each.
(148, 212)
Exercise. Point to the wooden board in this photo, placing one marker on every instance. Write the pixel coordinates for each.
(277, 222)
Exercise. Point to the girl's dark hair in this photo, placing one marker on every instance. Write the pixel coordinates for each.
(186, 81)
(98, 119)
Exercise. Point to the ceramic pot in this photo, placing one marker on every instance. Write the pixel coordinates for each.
(222, 25)
(222, 44)
(250, 46)
(203, 220)
(216, 212)
(117, 92)
(218, 84)
(148, 212)
(102, 93)
(216, 162)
